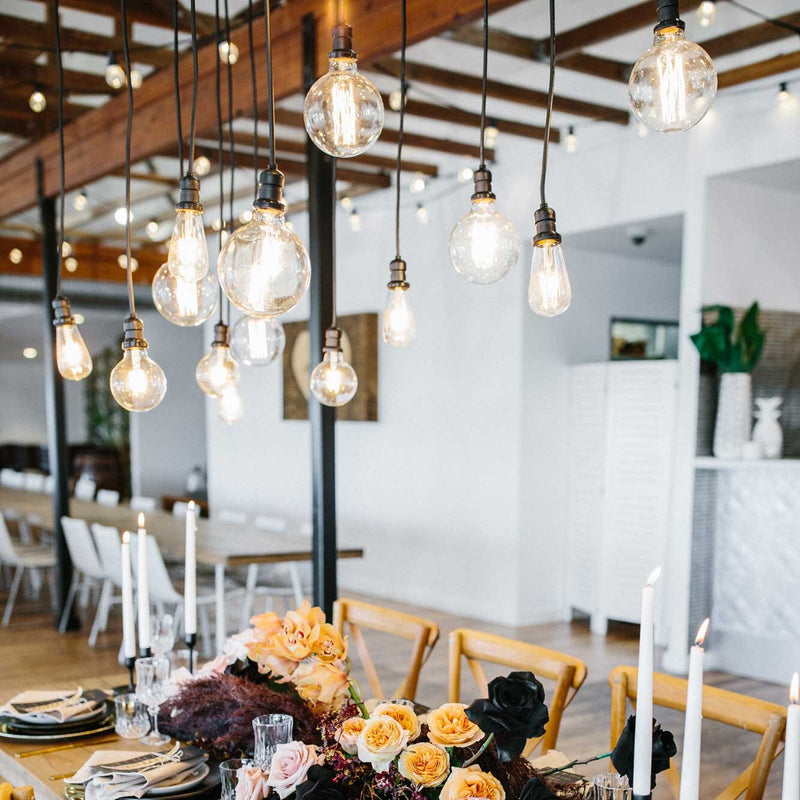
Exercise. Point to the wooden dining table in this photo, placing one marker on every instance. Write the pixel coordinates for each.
(220, 545)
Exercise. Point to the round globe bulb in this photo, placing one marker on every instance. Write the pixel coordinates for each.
(343, 111)
(115, 76)
(215, 370)
(230, 408)
(228, 52)
(549, 291)
(483, 244)
(257, 341)
(72, 355)
(398, 326)
(37, 101)
(188, 249)
(333, 382)
(263, 266)
(184, 303)
(137, 382)
(673, 84)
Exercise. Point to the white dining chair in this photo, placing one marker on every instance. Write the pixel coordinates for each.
(230, 516)
(141, 503)
(179, 509)
(34, 482)
(107, 497)
(85, 488)
(109, 550)
(15, 480)
(87, 570)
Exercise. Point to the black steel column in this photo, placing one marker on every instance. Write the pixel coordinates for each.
(321, 212)
(54, 398)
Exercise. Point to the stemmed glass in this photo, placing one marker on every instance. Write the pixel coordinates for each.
(270, 730)
(152, 688)
(162, 633)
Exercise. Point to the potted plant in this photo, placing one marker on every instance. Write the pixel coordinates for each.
(735, 350)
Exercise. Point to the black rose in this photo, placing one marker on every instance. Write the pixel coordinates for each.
(534, 789)
(664, 749)
(319, 785)
(514, 712)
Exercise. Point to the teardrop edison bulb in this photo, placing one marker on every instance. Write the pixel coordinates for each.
(398, 326)
(188, 249)
(184, 303)
(673, 84)
(343, 111)
(215, 370)
(137, 382)
(549, 292)
(333, 381)
(72, 356)
(230, 408)
(257, 341)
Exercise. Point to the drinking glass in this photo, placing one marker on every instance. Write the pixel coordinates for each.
(229, 775)
(152, 688)
(611, 786)
(270, 730)
(132, 721)
(162, 633)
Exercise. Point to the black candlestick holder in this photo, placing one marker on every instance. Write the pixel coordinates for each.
(643, 797)
(145, 652)
(190, 640)
(130, 663)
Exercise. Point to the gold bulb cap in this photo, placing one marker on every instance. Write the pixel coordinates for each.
(342, 35)
(62, 314)
(221, 335)
(134, 334)
(333, 341)
(189, 198)
(483, 185)
(544, 219)
(397, 270)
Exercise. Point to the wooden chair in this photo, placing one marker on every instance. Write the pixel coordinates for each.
(568, 672)
(738, 710)
(424, 633)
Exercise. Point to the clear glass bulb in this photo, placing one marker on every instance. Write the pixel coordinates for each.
(115, 76)
(333, 382)
(263, 266)
(549, 292)
(228, 52)
(398, 327)
(137, 382)
(188, 249)
(673, 84)
(37, 101)
(256, 341)
(343, 111)
(184, 303)
(707, 12)
(483, 244)
(215, 370)
(72, 355)
(230, 408)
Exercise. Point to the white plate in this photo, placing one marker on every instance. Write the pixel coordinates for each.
(197, 776)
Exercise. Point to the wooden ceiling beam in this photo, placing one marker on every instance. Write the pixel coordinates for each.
(12, 71)
(759, 70)
(753, 36)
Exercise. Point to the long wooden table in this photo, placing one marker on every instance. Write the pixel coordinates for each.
(219, 545)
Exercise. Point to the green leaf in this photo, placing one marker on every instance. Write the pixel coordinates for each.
(751, 337)
(724, 317)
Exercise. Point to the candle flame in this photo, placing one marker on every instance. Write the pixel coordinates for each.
(702, 631)
(126, 537)
(654, 576)
(191, 505)
(794, 691)
(140, 520)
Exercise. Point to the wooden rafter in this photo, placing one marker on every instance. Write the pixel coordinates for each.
(754, 36)
(760, 69)
(12, 71)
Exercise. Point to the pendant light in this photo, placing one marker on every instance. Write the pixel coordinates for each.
(483, 245)
(343, 111)
(188, 250)
(707, 12)
(37, 102)
(264, 268)
(230, 408)
(115, 74)
(549, 292)
(137, 382)
(72, 356)
(398, 326)
(673, 84)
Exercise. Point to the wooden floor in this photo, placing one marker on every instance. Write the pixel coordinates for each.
(32, 654)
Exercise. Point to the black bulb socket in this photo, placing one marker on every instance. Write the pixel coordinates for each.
(270, 190)
(221, 336)
(544, 218)
(62, 314)
(397, 270)
(668, 15)
(483, 185)
(189, 198)
(333, 341)
(342, 35)
(134, 334)
(112, 58)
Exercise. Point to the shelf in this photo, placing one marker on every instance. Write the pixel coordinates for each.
(709, 462)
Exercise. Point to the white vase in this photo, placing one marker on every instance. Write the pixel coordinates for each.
(767, 431)
(732, 428)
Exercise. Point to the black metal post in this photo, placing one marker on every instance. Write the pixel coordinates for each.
(54, 397)
(322, 215)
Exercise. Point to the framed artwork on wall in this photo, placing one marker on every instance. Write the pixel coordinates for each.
(637, 339)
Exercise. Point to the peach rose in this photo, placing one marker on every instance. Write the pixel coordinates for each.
(403, 714)
(424, 764)
(449, 726)
(317, 682)
(289, 766)
(328, 645)
(380, 741)
(251, 783)
(469, 782)
(298, 632)
(348, 734)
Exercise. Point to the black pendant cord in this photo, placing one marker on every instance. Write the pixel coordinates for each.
(195, 72)
(255, 91)
(334, 319)
(484, 79)
(128, 128)
(219, 149)
(61, 155)
(403, 88)
(176, 78)
(270, 92)
(546, 143)
(232, 144)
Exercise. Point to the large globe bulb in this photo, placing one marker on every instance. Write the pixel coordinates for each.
(215, 370)
(343, 111)
(483, 244)
(333, 382)
(184, 303)
(673, 84)
(263, 266)
(137, 382)
(257, 341)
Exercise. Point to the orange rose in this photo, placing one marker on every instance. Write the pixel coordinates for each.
(403, 714)
(380, 741)
(449, 726)
(317, 682)
(328, 645)
(469, 782)
(348, 734)
(424, 764)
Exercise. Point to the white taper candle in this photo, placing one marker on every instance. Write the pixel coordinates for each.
(128, 624)
(791, 755)
(690, 758)
(190, 578)
(142, 586)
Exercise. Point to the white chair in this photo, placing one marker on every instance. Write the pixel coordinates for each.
(229, 516)
(108, 543)
(14, 479)
(85, 488)
(180, 509)
(49, 484)
(34, 482)
(142, 503)
(107, 497)
(22, 559)
(8, 477)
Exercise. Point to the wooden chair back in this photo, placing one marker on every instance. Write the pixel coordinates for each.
(738, 710)
(568, 672)
(351, 617)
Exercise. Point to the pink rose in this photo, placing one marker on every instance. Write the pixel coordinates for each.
(251, 783)
(289, 766)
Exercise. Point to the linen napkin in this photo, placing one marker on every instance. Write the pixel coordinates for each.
(111, 774)
(53, 706)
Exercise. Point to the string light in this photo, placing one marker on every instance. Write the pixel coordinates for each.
(490, 134)
(347, 203)
(707, 13)
(201, 166)
(355, 221)
(80, 201)
(66, 249)
(15, 255)
(418, 183)
(228, 52)
(153, 230)
(71, 265)
(571, 140)
(784, 95)
(123, 261)
(30, 352)
(422, 214)
(122, 215)
(115, 74)
(37, 101)
(465, 175)
(396, 101)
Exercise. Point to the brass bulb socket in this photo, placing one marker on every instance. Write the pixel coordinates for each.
(342, 35)
(544, 219)
(333, 340)
(482, 179)
(397, 271)
(62, 314)
(189, 197)
(134, 334)
(221, 335)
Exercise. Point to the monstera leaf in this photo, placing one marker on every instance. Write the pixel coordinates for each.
(733, 348)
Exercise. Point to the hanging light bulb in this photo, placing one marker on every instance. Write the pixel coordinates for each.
(80, 201)
(549, 292)
(71, 264)
(398, 326)
(355, 221)
(257, 341)
(37, 101)
(152, 229)
(343, 111)
(136, 79)
(122, 261)
(784, 95)
(465, 175)
(422, 214)
(707, 12)
(230, 408)
(490, 134)
(483, 244)
(66, 249)
(673, 84)
(333, 381)
(115, 74)
(184, 303)
(188, 250)
(347, 202)
(396, 99)
(571, 140)
(201, 166)
(263, 266)
(72, 355)
(15, 255)
(121, 215)
(418, 183)
(228, 52)
(137, 382)
(217, 368)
